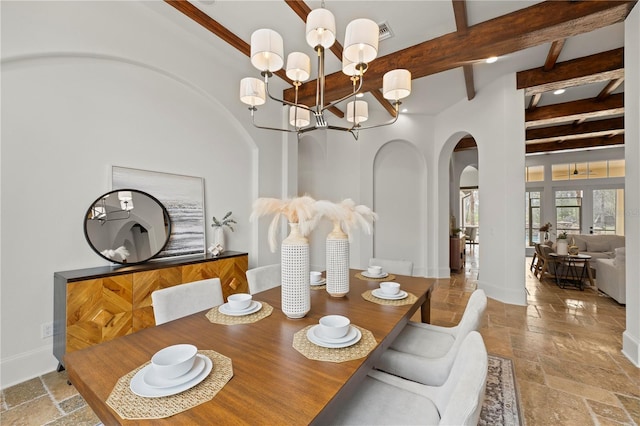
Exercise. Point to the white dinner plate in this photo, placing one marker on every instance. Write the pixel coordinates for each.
(368, 275)
(252, 309)
(140, 388)
(381, 295)
(321, 282)
(311, 335)
(317, 333)
(152, 379)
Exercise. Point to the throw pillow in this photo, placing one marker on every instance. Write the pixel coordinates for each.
(600, 246)
(620, 256)
(581, 243)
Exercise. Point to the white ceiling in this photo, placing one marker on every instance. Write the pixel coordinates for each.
(411, 22)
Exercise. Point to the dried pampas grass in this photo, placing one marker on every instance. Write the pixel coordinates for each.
(300, 210)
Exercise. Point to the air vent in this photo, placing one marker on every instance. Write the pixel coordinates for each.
(385, 31)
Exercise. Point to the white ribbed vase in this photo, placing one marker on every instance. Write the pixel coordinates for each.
(337, 262)
(294, 261)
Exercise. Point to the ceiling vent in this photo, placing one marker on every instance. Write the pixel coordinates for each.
(385, 31)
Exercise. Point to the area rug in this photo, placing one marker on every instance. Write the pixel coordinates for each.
(501, 405)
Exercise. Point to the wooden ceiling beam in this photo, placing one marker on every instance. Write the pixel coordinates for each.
(533, 102)
(552, 56)
(575, 110)
(570, 131)
(589, 69)
(195, 14)
(609, 89)
(460, 15)
(574, 144)
(538, 24)
(468, 142)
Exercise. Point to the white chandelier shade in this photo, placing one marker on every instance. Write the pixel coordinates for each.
(396, 84)
(298, 66)
(360, 48)
(302, 119)
(267, 50)
(252, 91)
(321, 28)
(361, 41)
(357, 111)
(125, 196)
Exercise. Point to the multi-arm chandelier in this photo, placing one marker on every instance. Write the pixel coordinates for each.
(360, 48)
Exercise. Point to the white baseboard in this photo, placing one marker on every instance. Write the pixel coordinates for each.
(27, 365)
(631, 348)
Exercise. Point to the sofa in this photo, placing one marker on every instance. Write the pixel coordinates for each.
(598, 246)
(611, 275)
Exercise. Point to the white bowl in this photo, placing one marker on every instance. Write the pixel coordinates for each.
(174, 361)
(389, 287)
(375, 270)
(315, 277)
(239, 301)
(334, 326)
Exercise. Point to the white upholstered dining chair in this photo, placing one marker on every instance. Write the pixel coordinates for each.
(263, 278)
(385, 399)
(185, 299)
(425, 353)
(400, 267)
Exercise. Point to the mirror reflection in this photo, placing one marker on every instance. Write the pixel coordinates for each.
(127, 226)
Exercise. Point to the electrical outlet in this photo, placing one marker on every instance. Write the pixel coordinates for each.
(47, 329)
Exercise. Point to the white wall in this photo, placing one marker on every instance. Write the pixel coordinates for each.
(88, 85)
(495, 119)
(631, 336)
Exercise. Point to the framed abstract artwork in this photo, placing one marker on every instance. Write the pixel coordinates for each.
(182, 196)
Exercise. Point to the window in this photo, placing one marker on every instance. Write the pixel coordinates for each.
(592, 170)
(534, 174)
(470, 207)
(532, 217)
(568, 211)
(608, 211)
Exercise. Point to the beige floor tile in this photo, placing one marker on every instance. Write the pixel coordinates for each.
(586, 391)
(529, 371)
(58, 386)
(23, 392)
(35, 412)
(82, 417)
(609, 411)
(545, 406)
(632, 405)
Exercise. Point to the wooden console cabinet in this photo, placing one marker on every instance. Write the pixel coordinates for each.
(95, 305)
(456, 253)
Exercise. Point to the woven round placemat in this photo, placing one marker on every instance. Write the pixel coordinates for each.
(389, 277)
(217, 317)
(130, 406)
(313, 351)
(409, 300)
(319, 287)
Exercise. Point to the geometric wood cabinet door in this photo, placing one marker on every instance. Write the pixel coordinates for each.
(96, 305)
(98, 310)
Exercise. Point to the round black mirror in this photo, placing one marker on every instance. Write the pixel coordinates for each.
(127, 226)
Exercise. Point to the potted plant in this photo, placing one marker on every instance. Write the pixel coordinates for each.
(562, 245)
(546, 228)
(218, 226)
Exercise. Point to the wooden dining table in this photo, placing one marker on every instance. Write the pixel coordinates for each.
(272, 382)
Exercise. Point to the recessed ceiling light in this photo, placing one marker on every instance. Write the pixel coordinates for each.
(491, 59)
(359, 95)
(558, 92)
(405, 110)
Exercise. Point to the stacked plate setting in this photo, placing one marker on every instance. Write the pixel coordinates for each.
(334, 331)
(374, 272)
(389, 290)
(240, 304)
(173, 369)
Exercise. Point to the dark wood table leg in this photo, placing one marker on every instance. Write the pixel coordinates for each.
(425, 309)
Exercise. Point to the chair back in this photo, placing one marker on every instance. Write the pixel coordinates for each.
(263, 278)
(459, 399)
(185, 299)
(400, 267)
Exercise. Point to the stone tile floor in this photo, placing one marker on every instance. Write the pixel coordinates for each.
(565, 345)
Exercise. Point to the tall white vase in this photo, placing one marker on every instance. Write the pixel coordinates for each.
(337, 248)
(218, 237)
(294, 261)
